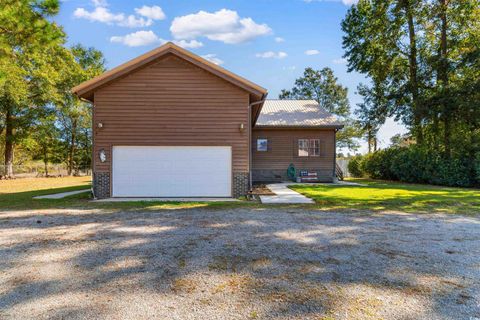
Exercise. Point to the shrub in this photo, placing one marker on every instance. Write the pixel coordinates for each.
(377, 165)
(414, 164)
(411, 164)
(355, 166)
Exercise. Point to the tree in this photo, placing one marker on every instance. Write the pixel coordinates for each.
(323, 87)
(75, 115)
(31, 58)
(380, 41)
(400, 140)
(371, 112)
(424, 55)
(45, 141)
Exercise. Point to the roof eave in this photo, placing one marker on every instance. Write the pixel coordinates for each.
(340, 126)
(85, 90)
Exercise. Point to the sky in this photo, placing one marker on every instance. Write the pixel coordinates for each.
(269, 42)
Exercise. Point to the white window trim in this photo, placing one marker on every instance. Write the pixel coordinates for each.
(258, 145)
(307, 147)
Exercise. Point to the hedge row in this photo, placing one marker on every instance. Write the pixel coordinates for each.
(416, 165)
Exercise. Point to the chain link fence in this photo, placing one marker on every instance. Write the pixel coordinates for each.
(39, 171)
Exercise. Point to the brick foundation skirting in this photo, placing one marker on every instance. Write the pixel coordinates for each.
(240, 184)
(101, 185)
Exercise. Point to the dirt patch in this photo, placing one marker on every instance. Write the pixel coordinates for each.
(261, 190)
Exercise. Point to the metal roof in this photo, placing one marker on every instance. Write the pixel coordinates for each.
(296, 113)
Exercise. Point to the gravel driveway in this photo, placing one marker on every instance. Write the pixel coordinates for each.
(238, 264)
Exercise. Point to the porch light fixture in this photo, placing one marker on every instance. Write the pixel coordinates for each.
(100, 125)
(242, 127)
(102, 155)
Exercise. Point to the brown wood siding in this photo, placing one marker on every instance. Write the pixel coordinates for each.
(171, 103)
(283, 149)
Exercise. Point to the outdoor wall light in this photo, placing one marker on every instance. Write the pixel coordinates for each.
(102, 155)
(100, 125)
(242, 127)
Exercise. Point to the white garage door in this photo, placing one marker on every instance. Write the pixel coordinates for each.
(171, 171)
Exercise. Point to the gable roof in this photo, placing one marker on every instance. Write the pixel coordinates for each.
(85, 90)
(296, 113)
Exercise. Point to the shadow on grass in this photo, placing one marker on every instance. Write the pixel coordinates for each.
(278, 262)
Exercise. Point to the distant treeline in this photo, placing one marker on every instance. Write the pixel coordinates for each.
(40, 119)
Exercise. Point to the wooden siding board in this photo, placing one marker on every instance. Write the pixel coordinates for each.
(283, 149)
(171, 103)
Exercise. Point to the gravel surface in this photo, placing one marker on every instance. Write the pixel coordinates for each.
(238, 264)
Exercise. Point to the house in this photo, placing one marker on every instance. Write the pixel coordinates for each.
(172, 124)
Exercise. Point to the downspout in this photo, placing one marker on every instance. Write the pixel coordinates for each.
(250, 125)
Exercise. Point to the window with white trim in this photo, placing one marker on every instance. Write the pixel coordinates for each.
(262, 145)
(308, 147)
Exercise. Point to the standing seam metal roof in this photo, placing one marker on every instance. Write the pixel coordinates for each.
(296, 113)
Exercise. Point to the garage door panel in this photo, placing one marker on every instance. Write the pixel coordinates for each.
(171, 171)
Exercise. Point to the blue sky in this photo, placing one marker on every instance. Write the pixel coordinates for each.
(269, 42)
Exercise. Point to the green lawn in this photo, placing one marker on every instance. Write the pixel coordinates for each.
(383, 195)
(18, 195)
(375, 196)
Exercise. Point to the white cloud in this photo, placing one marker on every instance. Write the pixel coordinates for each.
(271, 54)
(154, 12)
(145, 38)
(99, 3)
(102, 14)
(137, 39)
(312, 52)
(291, 68)
(133, 22)
(223, 25)
(192, 44)
(213, 58)
(279, 39)
(340, 61)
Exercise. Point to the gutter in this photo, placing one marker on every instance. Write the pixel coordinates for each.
(250, 125)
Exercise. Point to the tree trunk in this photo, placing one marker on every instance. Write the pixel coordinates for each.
(45, 160)
(473, 156)
(412, 61)
(72, 147)
(443, 76)
(369, 141)
(9, 145)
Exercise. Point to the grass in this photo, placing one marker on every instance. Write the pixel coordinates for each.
(383, 195)
(374, 196)
(18, 195)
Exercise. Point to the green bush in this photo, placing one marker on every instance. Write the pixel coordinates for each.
(355, 166)
(476, 168)
(377, 165)
(414, 164)
(411, 164)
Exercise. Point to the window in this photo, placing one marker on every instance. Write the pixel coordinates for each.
(314, 148)
(308, 147)
(262, 145)
(303, 148)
